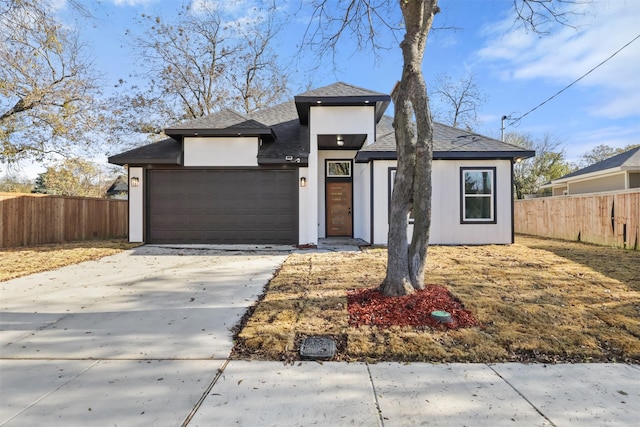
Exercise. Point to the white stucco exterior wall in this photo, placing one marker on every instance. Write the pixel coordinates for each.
(136, 206)
(362, 202)
(381, 200)
(445, 205)
(307, 231)
(446, 227)
(221, 151)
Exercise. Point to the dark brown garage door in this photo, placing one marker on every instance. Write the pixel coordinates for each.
(223, 206)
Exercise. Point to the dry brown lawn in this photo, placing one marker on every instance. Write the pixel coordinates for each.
(19, 262)
(538, 300)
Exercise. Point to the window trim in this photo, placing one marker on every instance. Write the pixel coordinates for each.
(463, 195)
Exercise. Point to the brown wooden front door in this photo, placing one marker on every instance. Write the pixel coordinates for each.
(339, 222)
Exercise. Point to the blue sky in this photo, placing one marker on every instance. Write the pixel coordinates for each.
(516, 69)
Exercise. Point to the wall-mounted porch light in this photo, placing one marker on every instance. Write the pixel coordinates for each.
(135, 181)
(303, 181)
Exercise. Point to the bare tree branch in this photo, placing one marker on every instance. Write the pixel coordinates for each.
(536, 15)
(457, 102)
(47, 87)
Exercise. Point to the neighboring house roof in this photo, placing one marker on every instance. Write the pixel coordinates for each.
(119, 186)
(629, 160)
(283, 129)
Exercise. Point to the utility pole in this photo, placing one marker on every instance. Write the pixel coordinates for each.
(502, 127)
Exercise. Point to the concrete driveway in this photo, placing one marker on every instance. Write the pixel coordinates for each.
(142, 339)
(142, 334)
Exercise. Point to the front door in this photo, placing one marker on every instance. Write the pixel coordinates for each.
(339, 218)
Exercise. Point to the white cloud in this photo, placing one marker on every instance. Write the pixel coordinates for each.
(564, 56)
(613, 136)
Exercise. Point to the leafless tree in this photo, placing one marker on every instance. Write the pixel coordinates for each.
(457, 102)
(198, 64)
(256, 75)
(537, 15)
(48, 90)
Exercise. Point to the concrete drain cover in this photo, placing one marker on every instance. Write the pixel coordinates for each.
(318, 348)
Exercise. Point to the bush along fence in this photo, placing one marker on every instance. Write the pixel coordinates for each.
(608, 219)
(31, 219)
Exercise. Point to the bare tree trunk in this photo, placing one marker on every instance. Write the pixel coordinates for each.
(398, 281)
(412, 187)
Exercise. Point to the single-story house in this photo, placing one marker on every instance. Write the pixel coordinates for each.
(320, 165)
(620, 172)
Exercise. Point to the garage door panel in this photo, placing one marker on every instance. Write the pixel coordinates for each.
(237, 223)
(223, 206)
(221, 237)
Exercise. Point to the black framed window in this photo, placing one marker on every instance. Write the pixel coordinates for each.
(478, 195)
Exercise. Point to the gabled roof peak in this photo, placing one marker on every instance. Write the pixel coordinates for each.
(341, 94)
(340, 89)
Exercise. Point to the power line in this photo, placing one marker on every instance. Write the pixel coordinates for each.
(574, 82)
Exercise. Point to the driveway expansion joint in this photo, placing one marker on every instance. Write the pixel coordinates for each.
(198, 404)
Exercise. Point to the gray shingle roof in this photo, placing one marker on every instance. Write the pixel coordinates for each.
(340, 90)
(120, 185)
(448, 142)
(222, 119)
(628, 159)
(168, 151)
(340, 93)
(284, 133)
(292, 138)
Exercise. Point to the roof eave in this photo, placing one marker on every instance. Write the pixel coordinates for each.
(258, 132)
(297, 161)
(303, 103)
(472, 155)
(366, 156)
(132, 161)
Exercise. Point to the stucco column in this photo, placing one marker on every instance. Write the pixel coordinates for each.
(136, 205)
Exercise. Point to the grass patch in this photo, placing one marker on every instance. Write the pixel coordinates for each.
(538, 300)
(17, 262)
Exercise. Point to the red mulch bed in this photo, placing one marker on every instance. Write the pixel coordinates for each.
(369, 307)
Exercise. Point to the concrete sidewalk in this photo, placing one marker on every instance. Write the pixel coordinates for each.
(142, 339)
(394, 394)
(220, 393)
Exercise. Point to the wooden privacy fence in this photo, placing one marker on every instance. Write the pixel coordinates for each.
(33, 219)
(609, 219)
